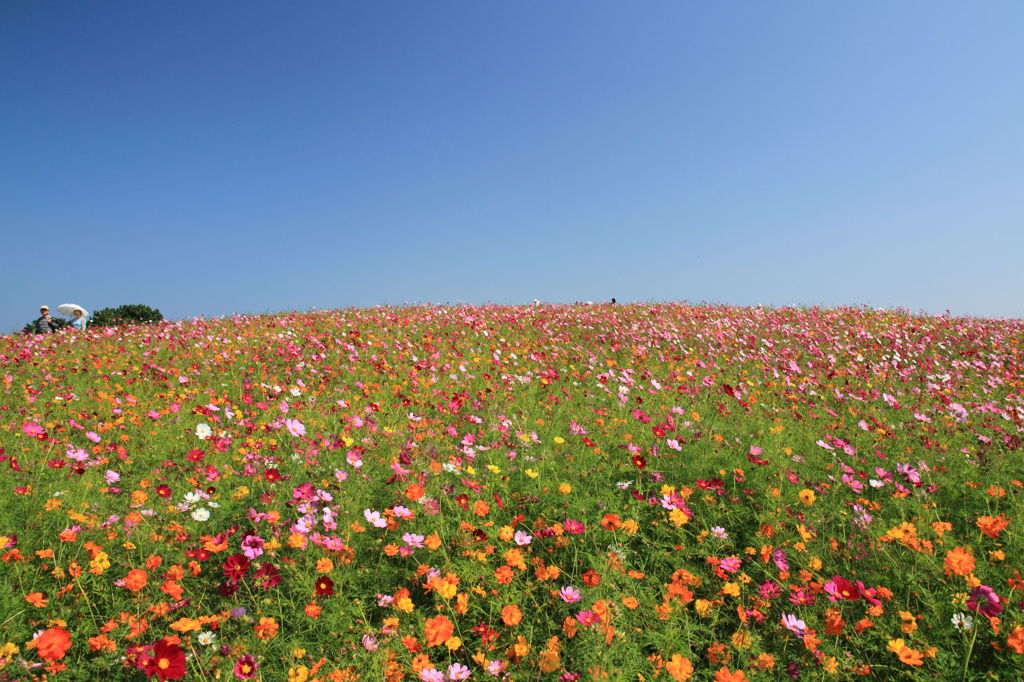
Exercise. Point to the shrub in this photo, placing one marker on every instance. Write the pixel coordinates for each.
(135, 313)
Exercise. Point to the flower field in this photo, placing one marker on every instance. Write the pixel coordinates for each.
(641, 492)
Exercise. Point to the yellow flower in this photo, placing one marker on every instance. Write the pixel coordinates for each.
(531, 473)
(564, 488)
(299, 673)
(807, 496)
(559, 440)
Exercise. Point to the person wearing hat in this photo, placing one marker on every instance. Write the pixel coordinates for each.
(78, 320)
(45, 324)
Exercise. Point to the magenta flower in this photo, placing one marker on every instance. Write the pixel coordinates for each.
(984, 600)
(245, 667)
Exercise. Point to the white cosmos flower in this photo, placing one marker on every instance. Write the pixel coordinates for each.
(206, 638)
(201, 514)
(203, 431)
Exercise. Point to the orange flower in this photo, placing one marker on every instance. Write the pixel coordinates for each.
(1016, 640)
(267, 628)
(102, 643)
(611, 522)
(992, 526)
(438, 629)
(504, 575)
(52, 644)
(324, 565)
(911, 656)
(725, 675)
(135, 580)
(36, 599)
(186, 625)
(312, 610)
(959, 561)
(481, 508)
(511, 615)
(908, 622)
(679, 667)
(414, 492)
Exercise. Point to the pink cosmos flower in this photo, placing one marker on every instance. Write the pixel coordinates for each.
(794, 625)
(295, 427)
(457, 672)
(574, 527)
(32, 429)
(570, 594)
(431, 675)
(93, 436)
(779, 557)
(252, 546)
(522, 538)
(374, 519)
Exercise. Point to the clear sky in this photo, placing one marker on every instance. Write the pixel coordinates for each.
(206, 157)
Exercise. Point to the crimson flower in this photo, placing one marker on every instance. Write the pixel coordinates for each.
(324, 586)
(267, 576)
(167, 663)
(236, 566)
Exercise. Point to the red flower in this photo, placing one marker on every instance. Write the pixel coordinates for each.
(167, 663)
(245, 667)
(639, 462)
(324, 586)
(236, 566)
(268, 576)
(272, 475)
(163, 490)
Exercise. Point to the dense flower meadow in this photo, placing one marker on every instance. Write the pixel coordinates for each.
(644, 492)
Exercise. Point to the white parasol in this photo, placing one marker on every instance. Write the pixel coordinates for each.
(70, 308)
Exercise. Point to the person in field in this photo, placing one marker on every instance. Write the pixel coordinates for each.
(44, 324)
(79, 320)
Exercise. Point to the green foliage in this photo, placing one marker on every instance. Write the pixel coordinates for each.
(134, 313)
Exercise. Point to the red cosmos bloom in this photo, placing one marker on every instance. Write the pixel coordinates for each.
(167, 663)
(195, 455)
(591, 578)
(245, 667)
(639, 462)
(267, 576)
(324, 586)
(236, 566)
(163, 490)
(272, 475)
(844, 589)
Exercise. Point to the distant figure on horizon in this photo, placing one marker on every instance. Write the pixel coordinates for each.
(44, 324)
(613, 300)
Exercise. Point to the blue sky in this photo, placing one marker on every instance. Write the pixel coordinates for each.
(207, 158)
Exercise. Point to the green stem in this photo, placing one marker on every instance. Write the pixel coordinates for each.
(970, 649)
